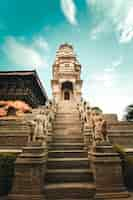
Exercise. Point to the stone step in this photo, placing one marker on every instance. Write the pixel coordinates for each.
(72, 127)
(63, 134)
(67, 110)
(68, 131)
(121, 126)
(79, 199)
(64, 116)
(69, 175)
(69, 146)
(67, 154)
(67, 114)
(66, 123)
(67, 139)
(70, 116)
(70, 191)
(68, 128)
(124, 131)
(67, 163)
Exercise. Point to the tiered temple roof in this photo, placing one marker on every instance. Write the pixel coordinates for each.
(22, 85)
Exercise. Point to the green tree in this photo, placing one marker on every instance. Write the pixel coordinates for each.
(129, 113)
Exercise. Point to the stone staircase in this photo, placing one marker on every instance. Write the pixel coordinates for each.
(69, 175)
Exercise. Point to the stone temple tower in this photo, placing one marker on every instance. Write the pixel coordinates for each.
(66, 83)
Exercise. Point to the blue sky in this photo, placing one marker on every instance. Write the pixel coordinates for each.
(101, 32)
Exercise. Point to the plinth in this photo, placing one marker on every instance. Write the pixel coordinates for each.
(29, 176)
(106, 164)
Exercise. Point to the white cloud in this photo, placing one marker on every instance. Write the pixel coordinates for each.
(107, 79)
(103, 79)
(118, 62)
(126, 27)
(92, 2)
(108, 76)
(96, 30)
(69, 10)
(40, 43)
(110, 100)
(106, 7)
(115, 64)
(99, 29)
(21, 54)
(117, 12)
(104, 89)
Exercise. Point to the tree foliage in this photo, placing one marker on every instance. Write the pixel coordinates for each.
(7, 172)
(129, 113)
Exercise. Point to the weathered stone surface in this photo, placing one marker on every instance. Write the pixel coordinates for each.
(66, 83)
(14, 132)
(121, 133)
(29, 174)
(69, 175)
(108, 173)
(110, 117)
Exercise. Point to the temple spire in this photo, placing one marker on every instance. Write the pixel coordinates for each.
(66, 83)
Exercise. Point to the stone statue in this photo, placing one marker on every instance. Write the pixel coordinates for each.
(100, 129)
(37, 128)
(93, 123)
(82, 110)
(32, 125)
(41, 122)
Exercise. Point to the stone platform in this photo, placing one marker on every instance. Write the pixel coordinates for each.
(108, 173)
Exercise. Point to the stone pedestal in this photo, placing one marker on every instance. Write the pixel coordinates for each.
(30, 172)
(108, 173)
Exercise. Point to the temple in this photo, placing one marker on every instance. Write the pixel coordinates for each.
(63, 148)
(22, 85)
(66, 83)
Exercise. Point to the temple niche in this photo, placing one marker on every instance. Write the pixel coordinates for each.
(66, 83)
